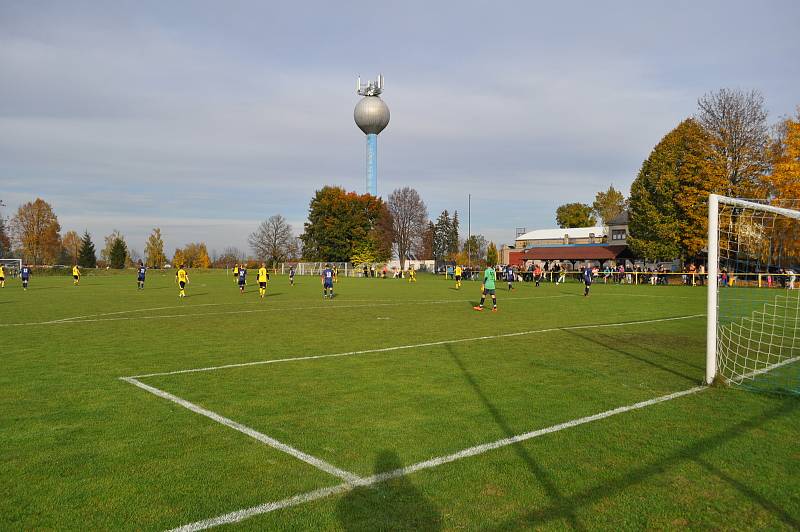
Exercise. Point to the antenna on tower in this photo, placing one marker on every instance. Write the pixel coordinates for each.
(370, 88)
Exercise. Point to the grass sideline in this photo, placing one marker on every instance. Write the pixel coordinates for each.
(84, 449)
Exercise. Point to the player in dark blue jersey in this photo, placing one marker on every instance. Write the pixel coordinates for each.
(25, 274)
(587, 279)
(242, 277)
(510, 277)
(327, 282)
(291, 275)
(140, 273)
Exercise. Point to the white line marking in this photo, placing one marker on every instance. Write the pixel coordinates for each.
(414, 346)
(240, 515)
(80, 319)
(263, 438)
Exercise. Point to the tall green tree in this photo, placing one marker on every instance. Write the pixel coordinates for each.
(575, 215)
(452, 235)
(475, 248)
(669, 198)
(338, 221)
(608, 204)
(118, 254)
(86, 256)
(441, 236)
(492, 255)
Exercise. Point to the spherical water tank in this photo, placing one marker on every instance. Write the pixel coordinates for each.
(371, 115)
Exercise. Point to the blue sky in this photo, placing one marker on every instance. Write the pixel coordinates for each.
(204, 118)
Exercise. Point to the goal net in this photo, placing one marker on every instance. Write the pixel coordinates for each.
(754, 306)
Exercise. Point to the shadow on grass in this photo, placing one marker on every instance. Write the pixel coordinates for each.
(537, 470)
(391, 505)
(596, 338)
(639, 475)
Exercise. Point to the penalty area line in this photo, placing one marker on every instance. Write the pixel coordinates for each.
(246, 513)
(415, 346)
(263, 438)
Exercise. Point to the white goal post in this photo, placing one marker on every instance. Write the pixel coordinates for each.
(753, 330)
(14, 265)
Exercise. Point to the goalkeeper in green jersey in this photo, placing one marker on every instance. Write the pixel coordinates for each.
(488, 287)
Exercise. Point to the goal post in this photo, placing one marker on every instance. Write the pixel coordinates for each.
(753, 299)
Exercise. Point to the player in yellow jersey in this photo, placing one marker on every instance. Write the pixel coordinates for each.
(458, 277)
(412, 274)
(263, 277)
(235, 273)
(2, 276)
(182, 278)
(76, 275)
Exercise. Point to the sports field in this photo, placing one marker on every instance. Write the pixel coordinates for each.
(392, 406)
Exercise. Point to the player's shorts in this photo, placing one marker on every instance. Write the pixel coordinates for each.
(140, 279)
(262, 284)
(182, 284)
(488, 291)
(242, 282)
(458, 277)
(328, 284)
(2, 278)
(587, 282)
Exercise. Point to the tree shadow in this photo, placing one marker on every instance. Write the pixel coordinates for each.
(537, 470)
(693, 452)
(394, 504)
(595, 338)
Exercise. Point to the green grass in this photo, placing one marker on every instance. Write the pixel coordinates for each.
(83, 449)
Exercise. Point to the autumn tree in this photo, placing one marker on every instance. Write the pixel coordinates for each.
(426, 245)
(118, 253)
(669, 198)
(492, 257)
(72, 246)
(5, 240)
(154, 250)
(783, 184)
(272, 240)
(575, 215)
(339, 220)
(193, 255)
(409, 220)
(608, 204)
(230, 255)
(736, 123)
(35, 230)
(86, 255)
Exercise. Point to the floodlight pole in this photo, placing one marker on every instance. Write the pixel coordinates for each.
(469, 231)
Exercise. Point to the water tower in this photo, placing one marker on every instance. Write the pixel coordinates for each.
(372, 116)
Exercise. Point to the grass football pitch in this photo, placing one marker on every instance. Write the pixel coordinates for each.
(392, 406)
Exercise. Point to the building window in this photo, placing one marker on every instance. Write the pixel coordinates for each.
(618, 234)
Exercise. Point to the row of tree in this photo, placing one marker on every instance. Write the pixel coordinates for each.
(607, 205)
(726, 148)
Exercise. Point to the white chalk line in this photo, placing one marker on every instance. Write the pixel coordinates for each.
(415, 346)
(246, 513)
(80, 319)
(263, 438)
